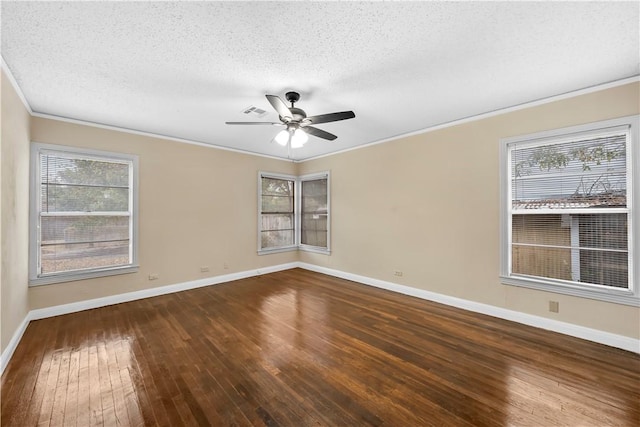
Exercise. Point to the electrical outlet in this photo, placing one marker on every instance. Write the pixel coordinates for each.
(554, 306)
(226, 265)
(204, 269)
(154, 276)
(397, 273)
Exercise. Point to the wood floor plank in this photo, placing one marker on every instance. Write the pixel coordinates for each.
(116, 387)
(70, 412)
(50, 388)
(298, 348)
(24, 383)
(60, 396)
(96, 414)
(34, 400)
(83, 408)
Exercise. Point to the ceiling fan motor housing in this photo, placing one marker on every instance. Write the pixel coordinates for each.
(298, 114)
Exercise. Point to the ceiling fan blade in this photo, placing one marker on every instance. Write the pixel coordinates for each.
(331, 117)
(279, 105)
(255, 123)
(319, 133)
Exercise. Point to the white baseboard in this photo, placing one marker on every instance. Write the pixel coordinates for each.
(606, 338)
(594, 335)
(11, 347)
(73, 307)
(43, 313)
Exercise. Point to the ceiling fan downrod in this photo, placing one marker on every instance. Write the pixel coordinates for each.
(292, 97)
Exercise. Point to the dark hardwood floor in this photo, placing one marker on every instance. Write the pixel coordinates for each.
(298, 348)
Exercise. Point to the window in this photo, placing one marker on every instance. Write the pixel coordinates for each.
(567, 223)
(83, 214)
(277, 213)
(314, 212)
(294, 212)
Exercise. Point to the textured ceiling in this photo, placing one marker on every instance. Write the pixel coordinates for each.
(182, 69)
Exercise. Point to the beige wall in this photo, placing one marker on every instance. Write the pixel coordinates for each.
(428, 205)
(14, 230)
(197, 208)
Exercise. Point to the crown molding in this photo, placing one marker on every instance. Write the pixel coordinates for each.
(493, 113)
(154, 135)
(16, 87)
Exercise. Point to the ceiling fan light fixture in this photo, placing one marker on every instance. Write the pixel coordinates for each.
(294, 119)
(299, 138)
(282, 137)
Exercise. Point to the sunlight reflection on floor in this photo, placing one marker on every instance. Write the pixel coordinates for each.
(292, 321)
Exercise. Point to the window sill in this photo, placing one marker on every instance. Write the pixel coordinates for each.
(315, 249)
(304, 248)
(622, 296)
(277, 250)
(71, 277)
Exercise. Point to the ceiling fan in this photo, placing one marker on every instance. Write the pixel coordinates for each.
(298, 125)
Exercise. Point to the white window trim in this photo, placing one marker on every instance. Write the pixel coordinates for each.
(629, 296)
(313, 177)
(296, 212)
(264, 251)
(34, 209)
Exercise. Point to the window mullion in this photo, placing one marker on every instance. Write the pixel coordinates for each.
(297, 211)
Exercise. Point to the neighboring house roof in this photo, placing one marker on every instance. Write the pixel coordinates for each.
(597, 201)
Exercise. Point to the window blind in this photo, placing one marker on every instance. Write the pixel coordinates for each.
(85, 213)
(277, 226)
(569, 213)
(588, 172)
(314, 213)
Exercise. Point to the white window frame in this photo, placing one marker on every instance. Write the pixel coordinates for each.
(314, 177)
(296, 228)
(37, 279)
(297, 210)
(630, 296)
